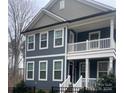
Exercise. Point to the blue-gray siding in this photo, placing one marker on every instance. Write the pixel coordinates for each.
(44, 84)
(83, 36)
(51, 50)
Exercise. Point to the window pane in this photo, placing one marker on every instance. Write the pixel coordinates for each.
(30, 74)
(58, 41)
(30, 45)
(42, 74)
(103, 66)
(57, 74)
(30, 66)
(101, 74)
(43, 44)
(43, 66)
(57, 65)
(58, 34)
(44, 36)
(94, 36)
(30, 39)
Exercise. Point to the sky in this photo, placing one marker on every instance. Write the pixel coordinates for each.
(42, 3)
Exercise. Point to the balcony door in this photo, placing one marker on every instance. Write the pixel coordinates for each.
(94, 42)
(94, 35)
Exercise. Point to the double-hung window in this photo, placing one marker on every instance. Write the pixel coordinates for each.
(58, 37)
(30, 42)
(102, 68)
(30, 70)
(57, 70)
(43, 40)
(43, 70)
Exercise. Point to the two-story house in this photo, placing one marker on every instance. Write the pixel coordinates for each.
(70, 42)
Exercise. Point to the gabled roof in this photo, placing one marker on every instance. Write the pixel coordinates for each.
(45, 10)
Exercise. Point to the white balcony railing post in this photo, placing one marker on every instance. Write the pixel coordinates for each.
(87, 45)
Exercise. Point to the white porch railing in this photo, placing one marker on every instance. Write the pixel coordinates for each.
(89, 45)
(92, 83)
(78, 85)
(65, 85)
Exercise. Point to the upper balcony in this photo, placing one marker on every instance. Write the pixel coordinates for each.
(91, 39)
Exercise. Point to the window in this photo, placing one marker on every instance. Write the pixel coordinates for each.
(58, 37)
(57, 70)
(30, 42)
(30, 70)
(43, 70)
(44, 40)
(62, 4)
(102, 68)
(94, 35)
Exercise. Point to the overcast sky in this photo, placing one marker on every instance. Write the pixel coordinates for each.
(41, 3)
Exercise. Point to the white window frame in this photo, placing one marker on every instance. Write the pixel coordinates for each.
(61, 69)
(27, 41)
(96, 32)
(61, 4)
(31, 70)
(43, 61)
(98, 68)
(55, 30)
(40, 40)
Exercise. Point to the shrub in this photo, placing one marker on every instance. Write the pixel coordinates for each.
(40, 91)
(105, 81)
(22, 88)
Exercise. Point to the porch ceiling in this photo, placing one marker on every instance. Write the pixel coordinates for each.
(91, 26)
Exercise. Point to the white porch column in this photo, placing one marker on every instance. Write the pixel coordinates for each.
(112, 33)
(66, 43)
(86, 72)
(110, 67)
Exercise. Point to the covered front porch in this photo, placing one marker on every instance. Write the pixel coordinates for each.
(85, 72)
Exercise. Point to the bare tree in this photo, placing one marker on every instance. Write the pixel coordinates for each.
(20, 12)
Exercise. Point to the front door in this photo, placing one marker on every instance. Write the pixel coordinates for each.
(71, 71)
(82, 69)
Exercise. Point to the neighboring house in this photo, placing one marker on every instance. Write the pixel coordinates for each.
(70, 41)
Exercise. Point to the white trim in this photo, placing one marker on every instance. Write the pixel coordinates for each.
(98, 67)
(28, 42)
(32, 70)
(44, 56)
(55, 30)
(61, 69)
(53, 15)
(43, 61)
(96, 32)
(92, 54)
(24, 65)
(40, 40)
